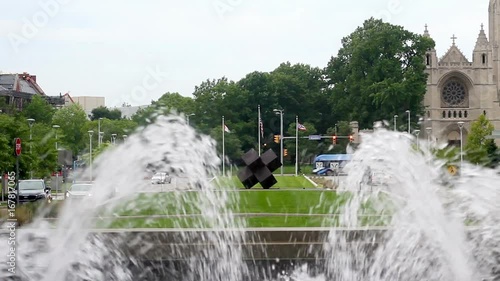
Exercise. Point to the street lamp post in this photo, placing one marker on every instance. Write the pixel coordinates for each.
(31, 121)
(280, 112)
(428, 130)
(99, 137)
(56, 127)
(90, 153)
(187, 117)
(417, 134)
(409, 116)
(395, 118)
(113, 139)
(461, 127)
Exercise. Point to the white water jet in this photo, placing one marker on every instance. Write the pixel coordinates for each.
(68, 251)
(431, 226)
(425, 235)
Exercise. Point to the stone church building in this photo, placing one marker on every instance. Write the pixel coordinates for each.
(459, 90)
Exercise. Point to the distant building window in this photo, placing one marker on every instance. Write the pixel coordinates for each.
(484, 58)
(444, 114)
(465, 114)
(460, 114)
(428, 59)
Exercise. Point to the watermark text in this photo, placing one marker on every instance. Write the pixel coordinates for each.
(11, 221)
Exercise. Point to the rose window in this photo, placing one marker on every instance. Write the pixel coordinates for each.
(454, 94)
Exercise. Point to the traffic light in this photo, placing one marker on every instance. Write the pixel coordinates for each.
(277, 138)
(351, 138)
(285, 152)
(334, 139)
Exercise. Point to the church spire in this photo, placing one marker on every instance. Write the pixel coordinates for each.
(426, 32)
(482, 40)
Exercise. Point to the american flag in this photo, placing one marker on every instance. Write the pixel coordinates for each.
(301, 127)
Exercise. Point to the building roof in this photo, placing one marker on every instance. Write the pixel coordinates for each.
(23, 83)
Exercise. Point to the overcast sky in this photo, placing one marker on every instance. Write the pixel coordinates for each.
(135, 51)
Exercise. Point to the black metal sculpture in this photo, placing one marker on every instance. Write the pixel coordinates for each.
(259, 169)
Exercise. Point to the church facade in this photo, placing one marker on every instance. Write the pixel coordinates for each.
(459, 90)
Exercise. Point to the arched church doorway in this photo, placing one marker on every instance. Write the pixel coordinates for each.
(454, 138)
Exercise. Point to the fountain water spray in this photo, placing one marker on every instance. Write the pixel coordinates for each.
(424, 234)
(69, 251)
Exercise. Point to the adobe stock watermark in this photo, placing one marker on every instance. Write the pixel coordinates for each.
(393, 7)
(222, 7)
(40, 19)
(152, 80)
(11, 222)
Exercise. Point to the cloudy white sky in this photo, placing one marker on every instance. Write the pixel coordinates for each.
(134, 51)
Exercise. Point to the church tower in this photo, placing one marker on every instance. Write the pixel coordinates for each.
(459, 90)
(494, 34)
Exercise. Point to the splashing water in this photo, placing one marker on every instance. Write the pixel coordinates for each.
(422, 223)
(68, 251)
(424, 214)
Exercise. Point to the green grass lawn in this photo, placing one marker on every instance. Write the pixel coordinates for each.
(282, 182)
(230, 208)
(247, 221)
(262, 208)
(290, 170)
(258, 201)
(293, 202)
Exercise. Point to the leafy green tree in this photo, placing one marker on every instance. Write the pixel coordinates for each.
(209, 104)
(39, 109)
(72, 120)
(477, 140)
(16, 127)
(44, 155)
(108, 128)
(493, 153)
(6, 149)
(378, 72)
(166, 104)
(104, 112)
(299, 90)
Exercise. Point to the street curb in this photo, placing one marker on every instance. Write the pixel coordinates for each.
(310, 180)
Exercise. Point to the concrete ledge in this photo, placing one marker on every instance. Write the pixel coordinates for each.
(255, 244)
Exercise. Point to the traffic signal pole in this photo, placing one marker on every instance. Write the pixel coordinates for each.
(281, 141)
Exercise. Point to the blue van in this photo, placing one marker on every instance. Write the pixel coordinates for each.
(330, 164)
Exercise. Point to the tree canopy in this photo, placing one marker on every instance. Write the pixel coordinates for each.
(378, 72)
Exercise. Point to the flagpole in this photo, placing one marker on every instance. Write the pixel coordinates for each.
(296, 145)
(223, 149)
(259, 128)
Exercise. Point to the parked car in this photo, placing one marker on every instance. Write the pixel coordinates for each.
(161, 178)
(33, 190)
(79, 191)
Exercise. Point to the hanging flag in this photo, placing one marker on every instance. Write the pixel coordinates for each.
(301, 127)
(261, 127)
(226, 129)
